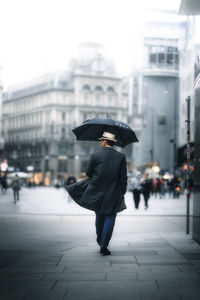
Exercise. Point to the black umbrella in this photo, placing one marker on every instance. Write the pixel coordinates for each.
(92, 130)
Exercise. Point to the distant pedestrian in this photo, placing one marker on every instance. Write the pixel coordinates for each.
(157, 187)
(4, 184)
(174, 184)
(162, 187)
(146, 189)
(29, 183)
(154, 186)
(70, 179)
(57, 182)
(16, 188)
(135, 187)
(171, 188)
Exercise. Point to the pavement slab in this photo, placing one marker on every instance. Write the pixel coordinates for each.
(48, 295)
(179, 283)
(55, 257)
(33, 270)
(161, 260)
(17, 295)
(167, 275)
(72, 276)
(195, 255)
(123, 276)
(27, 285)
(104, 290)
(191, 294)
(25, 277)
(162, 294)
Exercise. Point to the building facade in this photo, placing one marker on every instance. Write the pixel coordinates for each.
(191, 54)
(38, 116)
(156, 92)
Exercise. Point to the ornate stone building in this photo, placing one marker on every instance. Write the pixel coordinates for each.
(38, 116)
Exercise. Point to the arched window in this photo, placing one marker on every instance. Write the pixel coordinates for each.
(110, 89)
(98, 93)
(99, 89)
(86, 90)
(110, 94)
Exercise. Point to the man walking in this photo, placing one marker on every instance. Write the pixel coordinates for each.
(146, 189)
(16, 188)
(108, 180)
(135, 185)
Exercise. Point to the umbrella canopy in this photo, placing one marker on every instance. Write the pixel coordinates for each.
(20, 175)
(92, 130)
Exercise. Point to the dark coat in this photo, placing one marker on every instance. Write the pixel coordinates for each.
(16, 184)
(104, 191)
(147, 186)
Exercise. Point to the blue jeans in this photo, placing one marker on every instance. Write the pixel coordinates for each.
(104, 228)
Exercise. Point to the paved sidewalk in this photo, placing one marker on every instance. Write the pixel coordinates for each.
(56, 257)
(49, 200)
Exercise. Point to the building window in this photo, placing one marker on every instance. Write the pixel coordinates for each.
(37, 165)
(46, 149)
(161, 58)
(63, 116)
(46, 165)
(161, 120)
(110, 100)
(98, 93)
(166, 56)
(62, 150)
(86, 98)
(98, 89)
(170, 58)
(62, 133)
(86, 87)
(110, 89)
(62, 165)
(176, 60)
(86, 90)
(97, 99)
(153, 58)
(110, 93)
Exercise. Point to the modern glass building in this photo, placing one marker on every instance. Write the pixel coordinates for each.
(156, 91)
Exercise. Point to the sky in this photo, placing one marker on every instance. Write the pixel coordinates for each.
(41, 36)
